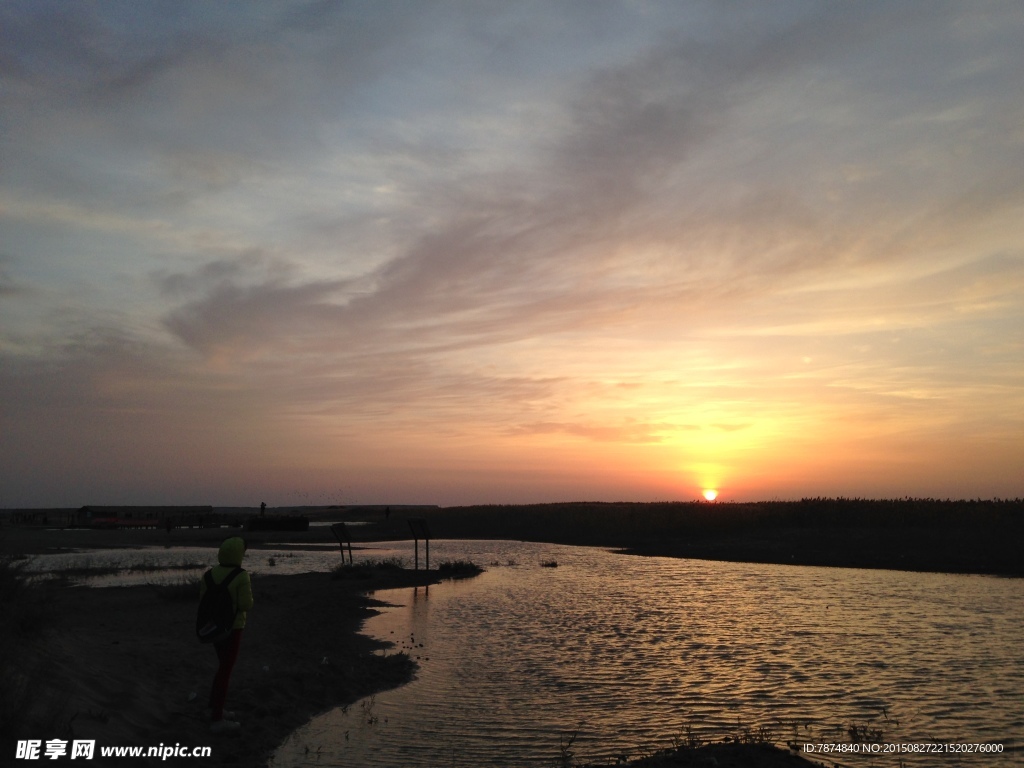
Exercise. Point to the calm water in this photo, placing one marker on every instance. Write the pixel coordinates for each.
(169, 565)
(632, 650)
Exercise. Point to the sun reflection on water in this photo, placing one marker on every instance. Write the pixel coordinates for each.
(635, 649)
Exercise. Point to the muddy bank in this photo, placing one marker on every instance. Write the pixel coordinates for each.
(912, 549)
(122, 666)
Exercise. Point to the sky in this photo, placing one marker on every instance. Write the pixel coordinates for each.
(507, 252)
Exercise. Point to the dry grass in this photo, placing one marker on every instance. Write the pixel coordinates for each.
(365, 569)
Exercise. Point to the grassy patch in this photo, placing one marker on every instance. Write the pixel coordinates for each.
(365, 569)
(459, 568)
(745, 744)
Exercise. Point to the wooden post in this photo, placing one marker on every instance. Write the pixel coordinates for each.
(340, 532)
(419, 529)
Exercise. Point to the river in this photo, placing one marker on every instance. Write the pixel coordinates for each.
(629, 652)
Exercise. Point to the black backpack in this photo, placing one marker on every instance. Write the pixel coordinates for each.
(216, 615)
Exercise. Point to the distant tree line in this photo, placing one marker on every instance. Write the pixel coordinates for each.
(603, 522)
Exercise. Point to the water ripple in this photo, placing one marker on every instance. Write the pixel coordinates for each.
(631, 650)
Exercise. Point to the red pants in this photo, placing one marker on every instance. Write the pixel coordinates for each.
(227, 654)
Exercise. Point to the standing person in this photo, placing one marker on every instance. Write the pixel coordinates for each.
(240, 588)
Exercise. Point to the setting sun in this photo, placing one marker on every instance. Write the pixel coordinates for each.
(710, 494)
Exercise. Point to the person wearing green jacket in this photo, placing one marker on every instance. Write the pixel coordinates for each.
(240, 588)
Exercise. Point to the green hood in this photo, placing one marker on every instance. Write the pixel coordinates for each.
(231, 551)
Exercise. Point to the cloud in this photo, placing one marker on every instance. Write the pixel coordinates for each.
(236, 320)
(601, 236)
(8, 286)
(623, 433)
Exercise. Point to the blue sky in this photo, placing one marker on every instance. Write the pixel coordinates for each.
(452, 252)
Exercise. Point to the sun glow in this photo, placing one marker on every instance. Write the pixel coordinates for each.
(710, 494)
